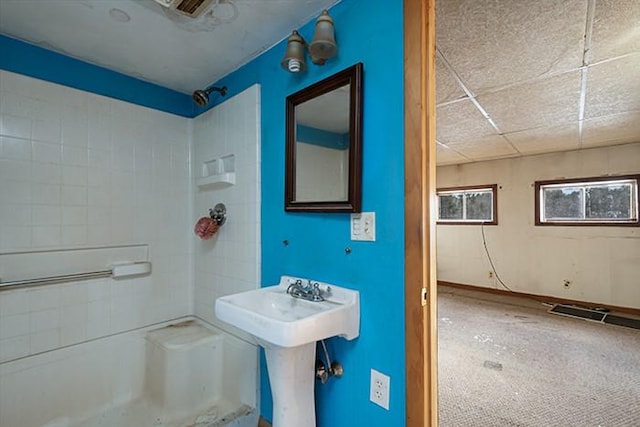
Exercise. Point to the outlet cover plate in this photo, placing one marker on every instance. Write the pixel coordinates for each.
(379, 390)
(363, 226)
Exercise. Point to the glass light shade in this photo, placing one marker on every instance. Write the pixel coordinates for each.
(293, 60)
(323, 45)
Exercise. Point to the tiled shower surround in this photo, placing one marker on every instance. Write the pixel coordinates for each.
(81, 171)
(230, 261)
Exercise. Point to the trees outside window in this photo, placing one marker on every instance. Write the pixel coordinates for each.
(468, 205)
(588, 201)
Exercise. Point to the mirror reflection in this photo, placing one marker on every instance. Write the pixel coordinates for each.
(323, 145)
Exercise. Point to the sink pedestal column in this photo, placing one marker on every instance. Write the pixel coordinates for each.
(292, 378)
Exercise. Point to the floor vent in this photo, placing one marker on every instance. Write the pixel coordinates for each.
(622, 321)
(595, 315)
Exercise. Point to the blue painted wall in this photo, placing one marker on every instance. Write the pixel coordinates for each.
(24, 58)
(322, 138)
(368, 32)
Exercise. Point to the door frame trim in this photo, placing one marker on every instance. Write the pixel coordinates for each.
(420, 226)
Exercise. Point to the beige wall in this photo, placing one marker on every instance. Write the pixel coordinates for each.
(316, 178)
(603, 263)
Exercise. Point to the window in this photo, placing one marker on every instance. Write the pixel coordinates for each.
(468, 205)
(588, 201)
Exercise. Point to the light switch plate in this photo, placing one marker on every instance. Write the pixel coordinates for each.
(363, 226)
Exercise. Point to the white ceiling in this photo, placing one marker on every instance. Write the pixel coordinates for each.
(514, 77)
(179, 54)
(519, 77)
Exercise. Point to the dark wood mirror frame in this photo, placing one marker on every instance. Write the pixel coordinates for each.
(350, 76)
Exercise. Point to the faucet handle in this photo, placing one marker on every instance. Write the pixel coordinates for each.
(314, 288)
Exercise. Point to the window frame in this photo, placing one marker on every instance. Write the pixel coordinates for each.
(538, 186)
(494, 195)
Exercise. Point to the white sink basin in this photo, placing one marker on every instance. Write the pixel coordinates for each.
(288, 329)
(276, 318)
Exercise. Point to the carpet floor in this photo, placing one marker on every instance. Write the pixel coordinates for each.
(505, 361)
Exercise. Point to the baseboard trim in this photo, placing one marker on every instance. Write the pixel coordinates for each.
(541, 298)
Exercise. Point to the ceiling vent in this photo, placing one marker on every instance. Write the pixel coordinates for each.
(190, 8)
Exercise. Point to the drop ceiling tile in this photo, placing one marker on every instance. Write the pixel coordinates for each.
(489, 147)
(493, 44)
(547, 139)
(460, 122)
(447, 87)
(616, 29)
(611, 130)
(447, 156)
(550, 102)
(613, 87)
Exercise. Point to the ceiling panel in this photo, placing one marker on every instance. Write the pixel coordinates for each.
(546, 139)
(550, 102)
(488, 147)
(495, 43)
(460, 122)
(616, 29)
(447, 87)
(613, 87)
(447, 156)
(611, 130)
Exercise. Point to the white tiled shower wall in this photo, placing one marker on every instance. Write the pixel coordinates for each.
(78, 170)
(82, 170)
(230, 261)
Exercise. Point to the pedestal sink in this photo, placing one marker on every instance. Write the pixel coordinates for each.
(288, 329)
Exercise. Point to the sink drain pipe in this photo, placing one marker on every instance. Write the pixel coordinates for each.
(334, 369)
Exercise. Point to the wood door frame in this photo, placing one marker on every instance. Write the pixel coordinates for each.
(420, 226)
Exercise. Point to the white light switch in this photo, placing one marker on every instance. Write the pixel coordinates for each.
(363, 226)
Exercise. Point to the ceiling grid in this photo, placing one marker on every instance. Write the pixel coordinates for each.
(591, 7)
(549, 76)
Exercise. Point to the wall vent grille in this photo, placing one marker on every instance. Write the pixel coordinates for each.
(190, 8)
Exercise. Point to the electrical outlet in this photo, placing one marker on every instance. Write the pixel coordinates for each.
(567, 283)
(379, 390)
(491, 275)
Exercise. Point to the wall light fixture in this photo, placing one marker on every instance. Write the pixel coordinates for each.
(322, 47)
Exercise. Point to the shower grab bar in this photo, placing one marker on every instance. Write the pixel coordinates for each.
(64, 278)
(118, 271)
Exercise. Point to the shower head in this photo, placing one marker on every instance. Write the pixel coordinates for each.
(201, 97)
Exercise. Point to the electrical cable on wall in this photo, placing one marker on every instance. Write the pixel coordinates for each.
(486, 249)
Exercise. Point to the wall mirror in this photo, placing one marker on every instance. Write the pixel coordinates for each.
(324, 145)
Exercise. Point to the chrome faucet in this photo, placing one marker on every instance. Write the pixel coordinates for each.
(310, 291)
